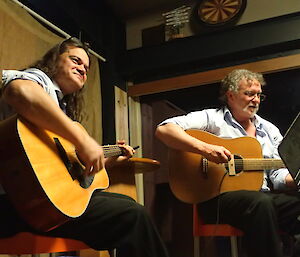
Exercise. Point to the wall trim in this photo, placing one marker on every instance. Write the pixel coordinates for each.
(213, 76)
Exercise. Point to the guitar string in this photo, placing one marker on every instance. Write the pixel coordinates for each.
(258, 163)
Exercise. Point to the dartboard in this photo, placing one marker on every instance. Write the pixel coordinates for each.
(219, 12)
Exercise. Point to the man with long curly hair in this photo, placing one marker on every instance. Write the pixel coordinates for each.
(43, 94)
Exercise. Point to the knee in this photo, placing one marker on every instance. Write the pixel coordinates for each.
(137, 212)
(263, 198)
(138, 209)
(262, 202)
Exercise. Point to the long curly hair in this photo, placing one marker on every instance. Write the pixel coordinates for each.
(232, 80)
(48, 64)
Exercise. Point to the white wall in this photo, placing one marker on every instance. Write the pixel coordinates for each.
(255, 10)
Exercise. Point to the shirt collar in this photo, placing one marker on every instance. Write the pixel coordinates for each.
(259, 126)
(257, 121)
(57, 88)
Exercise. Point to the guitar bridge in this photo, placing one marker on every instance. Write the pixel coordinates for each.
(231, 167)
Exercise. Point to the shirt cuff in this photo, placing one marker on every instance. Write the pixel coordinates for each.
(280, 182)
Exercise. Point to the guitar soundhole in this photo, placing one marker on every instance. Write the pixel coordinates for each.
(74, 168)
(238, 160)
(77, 173)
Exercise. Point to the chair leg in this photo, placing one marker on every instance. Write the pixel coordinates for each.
(113, 253)
(196, 246)
(234, 248)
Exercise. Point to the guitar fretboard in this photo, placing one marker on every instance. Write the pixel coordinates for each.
(259, 164)
(112, 150)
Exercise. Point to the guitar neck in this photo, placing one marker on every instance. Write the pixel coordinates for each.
(111, 150)
(260, 164)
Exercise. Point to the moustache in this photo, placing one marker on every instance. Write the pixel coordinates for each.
(255, 106)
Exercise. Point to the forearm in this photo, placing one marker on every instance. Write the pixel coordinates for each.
(112, 162)
(289, 181)
(175, 137)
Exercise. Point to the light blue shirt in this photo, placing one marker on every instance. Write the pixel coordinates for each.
(221, 123)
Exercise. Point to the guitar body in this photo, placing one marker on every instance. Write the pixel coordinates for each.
(37, 180)
(191, 184)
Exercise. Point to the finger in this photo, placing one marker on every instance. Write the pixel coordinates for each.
(227, 153)
(95, 168)
(101, 163)
(87, 170)
(121, 142)
(127, 150)
(131, 151)
(223, 158)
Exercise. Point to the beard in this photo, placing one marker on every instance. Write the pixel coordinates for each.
(252, 107)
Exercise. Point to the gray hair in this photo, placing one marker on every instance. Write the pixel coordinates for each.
(232, 81)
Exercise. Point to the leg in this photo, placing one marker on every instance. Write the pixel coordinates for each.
(115, 221)
(10, 221)
(288, 211)
(254, 213)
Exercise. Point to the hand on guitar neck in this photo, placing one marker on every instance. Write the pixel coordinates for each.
(127, 152)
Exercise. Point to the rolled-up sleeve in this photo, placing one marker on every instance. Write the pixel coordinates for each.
(32, 74)
(193, 120)
(278, 176)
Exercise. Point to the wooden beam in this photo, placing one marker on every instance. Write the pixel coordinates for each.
(213, 76)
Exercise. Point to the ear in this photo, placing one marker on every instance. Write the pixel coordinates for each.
(229, 95)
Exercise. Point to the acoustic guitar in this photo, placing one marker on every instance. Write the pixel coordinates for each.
(42, 175)
(194, 179)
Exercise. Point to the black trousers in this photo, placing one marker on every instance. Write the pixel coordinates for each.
(110, 221)
(262, 216)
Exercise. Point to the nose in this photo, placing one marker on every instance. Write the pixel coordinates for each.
(81, 69)
(256, 98)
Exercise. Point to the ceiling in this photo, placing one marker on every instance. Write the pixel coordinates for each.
(126, 9)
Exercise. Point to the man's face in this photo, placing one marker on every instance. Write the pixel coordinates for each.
(244, 104)
(72, 67)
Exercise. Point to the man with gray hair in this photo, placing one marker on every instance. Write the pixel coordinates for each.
(259, 214)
